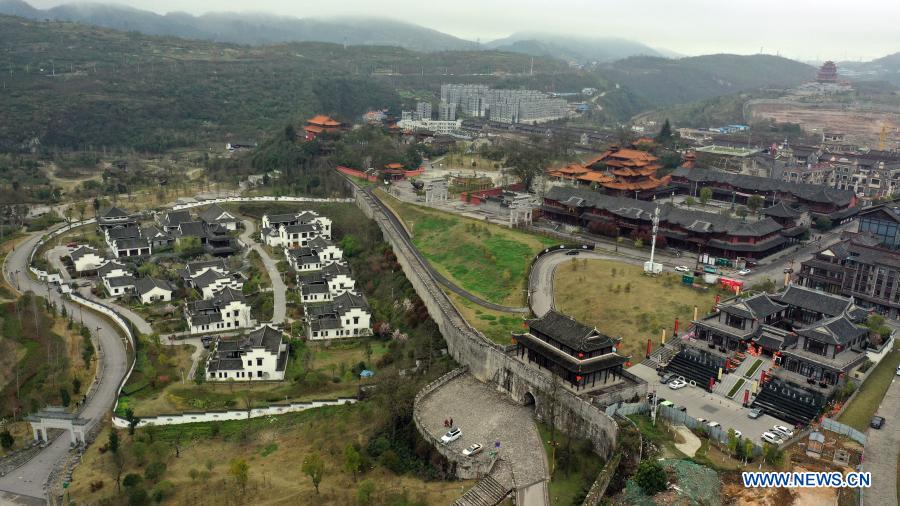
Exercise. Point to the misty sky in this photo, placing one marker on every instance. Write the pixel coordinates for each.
(801, 29)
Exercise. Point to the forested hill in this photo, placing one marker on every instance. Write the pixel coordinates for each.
(245, 28)
(70, 86)
(662, 81)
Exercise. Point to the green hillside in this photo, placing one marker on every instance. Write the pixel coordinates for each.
(663, 81)
(69, 86)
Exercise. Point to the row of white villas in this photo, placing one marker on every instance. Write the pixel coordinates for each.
(318, 253)
(261, 355)
(293, 230)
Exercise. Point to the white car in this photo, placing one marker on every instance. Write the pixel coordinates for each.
(682, 268)
(678, 383)
(451, 435)
(744, 272)
(702, 420)
(713, 424)
(473, 449)
(768, 437)
(738, 434)
(783, 431)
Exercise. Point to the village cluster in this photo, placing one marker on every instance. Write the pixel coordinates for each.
(210, 283)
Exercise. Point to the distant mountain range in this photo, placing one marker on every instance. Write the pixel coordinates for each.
(886, 68)
(250, 29)
(259, 29)
(578, 49)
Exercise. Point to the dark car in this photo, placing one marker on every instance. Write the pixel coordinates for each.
(877, 422)
(572, 252)
(667, 377)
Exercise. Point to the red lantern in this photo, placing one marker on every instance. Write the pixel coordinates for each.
(580, 354)
(712, 383)
(717, 298)
(649, 348)
(578, 378)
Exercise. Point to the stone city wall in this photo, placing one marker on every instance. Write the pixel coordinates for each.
(486, 360)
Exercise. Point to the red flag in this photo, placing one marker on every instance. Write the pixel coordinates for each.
(712, 383)
(676, 325)
(746, 397)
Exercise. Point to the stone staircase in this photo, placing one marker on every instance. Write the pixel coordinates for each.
(491, 489)
(729, 380)
(660, 356)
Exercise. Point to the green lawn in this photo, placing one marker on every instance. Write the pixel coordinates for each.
(737, 386)
(859, 412)
(496, 326)
(486, 259)
(753, 368)
(621, 301)
(570, 483)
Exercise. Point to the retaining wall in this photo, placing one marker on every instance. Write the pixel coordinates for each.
(225, 200)
(231, 414)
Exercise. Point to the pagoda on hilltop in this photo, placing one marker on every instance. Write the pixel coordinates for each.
(624, 172)
(827, 73)
(319, 124)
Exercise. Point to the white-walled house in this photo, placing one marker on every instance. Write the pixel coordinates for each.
(215, 214)
(151, 290)
(261, 355)
(325, 284)
(86, 258)
(113, 268)
(327, 251)
(228, 310)
(117, 286)
(194, 269)
(127, 241)
(211, 282)
(293, 230)
(348, 315)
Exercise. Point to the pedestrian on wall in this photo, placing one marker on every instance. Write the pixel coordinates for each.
(451, 422)
(446, 422)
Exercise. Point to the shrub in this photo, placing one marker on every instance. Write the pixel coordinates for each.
(138, 497)
(651, 477)
(6, 440)
(131, 480)
(154, 471)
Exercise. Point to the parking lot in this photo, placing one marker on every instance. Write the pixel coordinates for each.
(702, 404)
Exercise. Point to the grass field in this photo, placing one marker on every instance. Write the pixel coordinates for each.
(317, 371)
(495, 325)
(859, 412)
(486, 259)
(273, 448)
(753, 368)
(621, 301)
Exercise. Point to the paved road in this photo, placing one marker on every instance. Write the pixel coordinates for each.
(702, 404)
(540, 282)
(882, 451)
(29, 479)
(278, 286)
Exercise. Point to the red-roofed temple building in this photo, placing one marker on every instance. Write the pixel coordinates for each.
(625, 172)
(319, 124)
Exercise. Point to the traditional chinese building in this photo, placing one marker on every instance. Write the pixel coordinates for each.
(827, 73)
(319, 124)
(583, 357)
(618, 171)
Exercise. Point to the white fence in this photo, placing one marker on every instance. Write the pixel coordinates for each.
(232, 414)
(840, 428)
(224, 200)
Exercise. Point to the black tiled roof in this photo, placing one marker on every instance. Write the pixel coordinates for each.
(605, 361)
(813, 300)
(109, 267)
(83, 251)
(804, 191)
(113, 212)
(193, 268)
(212, 213)
(207, 278)
(120, 281)
(145, 284)
(782, 210)
(569, 331)
(837, 330)
(690, 219)
(175, 218)
(192, 228)
(123, 233)
(132, 242)
(758, 306)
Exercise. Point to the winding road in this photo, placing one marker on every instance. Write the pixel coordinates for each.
(25, 485)
(278, 286)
